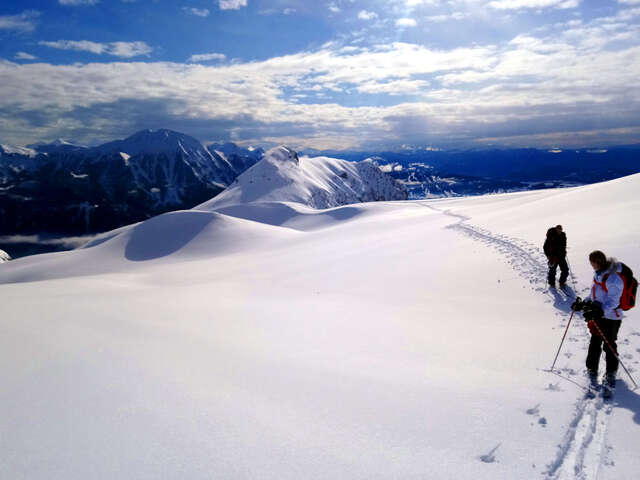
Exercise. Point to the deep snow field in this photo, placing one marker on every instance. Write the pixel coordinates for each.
(389, 340)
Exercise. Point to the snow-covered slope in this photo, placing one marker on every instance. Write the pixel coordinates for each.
(4, 256)
(371, 341)
(319, 182)
(14, 162)
(10, 149)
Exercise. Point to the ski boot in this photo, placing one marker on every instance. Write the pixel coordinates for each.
(592, 384)
(609, 385)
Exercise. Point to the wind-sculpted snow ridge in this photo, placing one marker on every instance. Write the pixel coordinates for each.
(583, 449)
(295, 215)
(319, 182)
(4, 256)
(168, 238)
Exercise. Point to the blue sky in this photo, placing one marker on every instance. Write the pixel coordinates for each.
(340, 74)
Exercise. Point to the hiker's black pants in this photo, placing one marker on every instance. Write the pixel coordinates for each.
(564, 271)
(610, 330)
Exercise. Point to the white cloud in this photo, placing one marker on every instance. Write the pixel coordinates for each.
(333, 8)
(25, 56)
(395, 87)
(413, 3)
(629, 2)
(128, 49)
(206, 57)
(365, 15)
(78, 2)
(276, 11)
(198, 12)
(445, 18)
(23, 22)
(406, 22)
(628, 14)
(79, 45)
(220, 93)
(556, 81)
(231, 4)
(522, 4)
(117, 49)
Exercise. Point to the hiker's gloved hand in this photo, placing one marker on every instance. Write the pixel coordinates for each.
(592, 311)
(593, 328)
(577, 305)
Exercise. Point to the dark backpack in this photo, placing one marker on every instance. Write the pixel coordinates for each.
(628, 297)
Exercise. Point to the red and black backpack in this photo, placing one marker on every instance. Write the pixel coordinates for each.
(628, 297)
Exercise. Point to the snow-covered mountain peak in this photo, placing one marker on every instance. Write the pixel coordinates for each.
(58, 142)
(57, 146)
(320, 182)
(282, 154)
(145, 174)
(155, 142)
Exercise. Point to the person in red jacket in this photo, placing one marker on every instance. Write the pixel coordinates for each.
(555, 248)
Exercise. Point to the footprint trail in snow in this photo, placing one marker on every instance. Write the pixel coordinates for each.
(583, 449)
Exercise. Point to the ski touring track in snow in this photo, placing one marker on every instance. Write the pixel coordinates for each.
(583, 449)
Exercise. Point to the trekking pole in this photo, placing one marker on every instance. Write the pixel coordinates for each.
(562, 341)
(573, 278)
(615, 354)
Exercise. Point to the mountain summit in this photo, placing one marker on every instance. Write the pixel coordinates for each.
(320, 182)
(66, 188)
(155, 142)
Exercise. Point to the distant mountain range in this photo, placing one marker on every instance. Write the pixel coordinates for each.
(431, 173)
(66, 189)
(70, 189)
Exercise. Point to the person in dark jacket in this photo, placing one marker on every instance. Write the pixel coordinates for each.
(555, 248)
